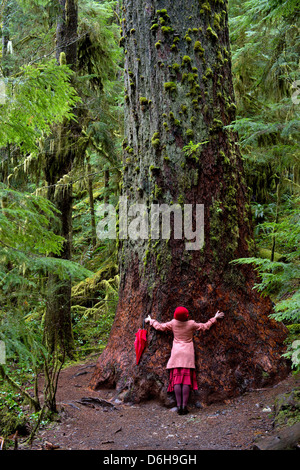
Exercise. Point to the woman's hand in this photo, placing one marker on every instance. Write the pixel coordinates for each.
(219, 314)
(147, 320)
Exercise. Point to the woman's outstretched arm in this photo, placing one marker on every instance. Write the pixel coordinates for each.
(158, 326)
(210, 322)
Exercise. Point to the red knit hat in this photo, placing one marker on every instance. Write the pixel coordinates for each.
(181, 314)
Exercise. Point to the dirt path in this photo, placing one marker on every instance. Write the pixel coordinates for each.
(149, 426)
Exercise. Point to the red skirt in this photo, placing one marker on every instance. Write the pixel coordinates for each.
(182, 376)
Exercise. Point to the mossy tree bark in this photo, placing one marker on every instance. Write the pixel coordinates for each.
(179, 88)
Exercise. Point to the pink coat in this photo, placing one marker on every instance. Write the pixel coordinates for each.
(182, 354)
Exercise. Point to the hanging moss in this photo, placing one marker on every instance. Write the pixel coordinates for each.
(209, 72)
(186, 60)
(155, 141)
(217, 19)
(162, 12)
(226, 53)
(215, 225)
(176, 67)
(211, 34)
(170, 86)
(184, 77)
(220, 57)
(157, 191)
(231, 107)
(198, 48)
(143, 100)
(217, 126)
(129, 149)
(226, 159)
(154, 27)
(146, 257)
(154, 169)
(190, 133)
(158, 261)
(184, 108)
(195, 104)
(205, 8)
(167, 29)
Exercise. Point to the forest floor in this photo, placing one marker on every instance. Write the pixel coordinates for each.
(234, 425)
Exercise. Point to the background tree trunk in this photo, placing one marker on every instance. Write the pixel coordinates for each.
(91, 201)
(179, 88)
(5, 38)
(66, 31)
(58, 323)
(59, 159)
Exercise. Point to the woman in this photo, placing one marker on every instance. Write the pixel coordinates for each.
(182, 359)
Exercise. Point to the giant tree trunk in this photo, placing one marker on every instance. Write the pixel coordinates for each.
(179, 88)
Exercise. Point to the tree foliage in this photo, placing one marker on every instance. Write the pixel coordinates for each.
(38, 97)
(27, 245)
(265, 53)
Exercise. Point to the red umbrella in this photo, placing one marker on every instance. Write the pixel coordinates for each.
(140, 342)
